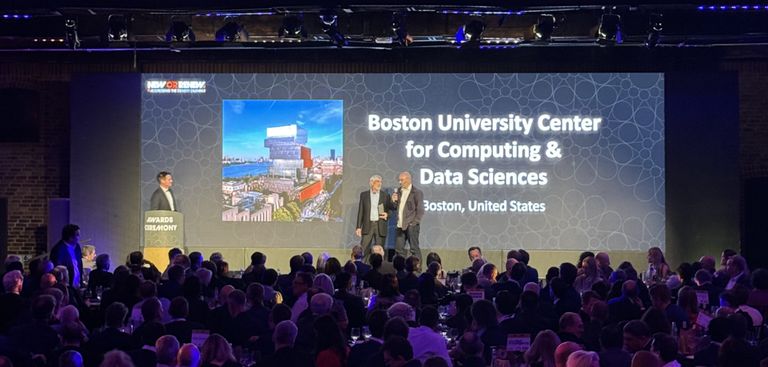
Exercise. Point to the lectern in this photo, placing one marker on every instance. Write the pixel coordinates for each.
(163, 228)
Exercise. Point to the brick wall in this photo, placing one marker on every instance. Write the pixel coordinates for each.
(32, 173)
(753, 118)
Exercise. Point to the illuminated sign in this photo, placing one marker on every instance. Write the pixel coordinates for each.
(175, 86)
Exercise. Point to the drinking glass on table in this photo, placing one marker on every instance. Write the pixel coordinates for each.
(355, 334)
(366, 333)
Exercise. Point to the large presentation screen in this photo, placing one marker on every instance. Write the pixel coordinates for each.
(535, 161)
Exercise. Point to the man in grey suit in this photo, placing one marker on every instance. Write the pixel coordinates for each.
(410, 210)
(372, 216)
(162, 198)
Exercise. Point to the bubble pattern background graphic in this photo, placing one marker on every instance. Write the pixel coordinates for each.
(606, 193)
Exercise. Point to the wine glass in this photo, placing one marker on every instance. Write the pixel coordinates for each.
(366, 332)
(355, 334)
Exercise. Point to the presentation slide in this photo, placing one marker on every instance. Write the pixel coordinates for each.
(535, 161)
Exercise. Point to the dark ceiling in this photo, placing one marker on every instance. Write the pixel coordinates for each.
(40, 25)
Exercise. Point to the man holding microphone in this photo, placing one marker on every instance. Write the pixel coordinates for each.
(410, 210)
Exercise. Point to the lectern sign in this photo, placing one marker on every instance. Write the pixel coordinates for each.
(163, 228)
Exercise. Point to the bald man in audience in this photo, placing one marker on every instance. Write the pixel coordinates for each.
(189, 356)
(166, 348)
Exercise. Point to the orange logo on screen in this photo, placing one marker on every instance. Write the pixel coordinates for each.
(172, 84)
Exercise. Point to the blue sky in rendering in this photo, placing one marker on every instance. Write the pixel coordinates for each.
(245, 123)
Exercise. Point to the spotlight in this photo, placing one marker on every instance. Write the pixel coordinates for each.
(655, 26)
(329, 18)
(71, 39)
(470, 33)
(293, 27)
(330, 26)
(231, 32)
(544, 27)
(117, 28)
(609, 30)
(399, 28)
(179, 31)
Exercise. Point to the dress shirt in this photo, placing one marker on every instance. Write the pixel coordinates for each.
(375, 205)
(169, 196)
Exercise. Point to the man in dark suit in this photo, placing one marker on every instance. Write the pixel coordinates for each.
(111, 337)
(179, 326)
(360, 354)
(626, 307)
(162, 198)
(286, 355)
(357, 258)
(372, 216)
(67, 252)
(410, 210)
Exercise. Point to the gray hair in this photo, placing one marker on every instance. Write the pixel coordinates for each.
(285, 332)
(403, 310)
(321, 304)
(11, 279)
(375, 178)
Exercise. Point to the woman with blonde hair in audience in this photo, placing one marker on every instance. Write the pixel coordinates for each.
(216, 352)
(583, 358)
(658, 269)
(542, 351)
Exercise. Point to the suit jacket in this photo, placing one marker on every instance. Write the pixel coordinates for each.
(160, 202)
(288, 357)
(622, 309)
(361, 354)
(414, 207)
(60, 256)
(364, 211)
(362, 268)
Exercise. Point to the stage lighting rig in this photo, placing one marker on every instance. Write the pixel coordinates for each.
(117, 28)
(293, 27)
(609, 30)
(179, 31)
(470, 33)
(231, 32)
(655, 26)
(331, 27)
(544, 27)
(71, 38)
(400, 30)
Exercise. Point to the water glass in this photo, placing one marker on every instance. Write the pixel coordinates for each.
(355, 334)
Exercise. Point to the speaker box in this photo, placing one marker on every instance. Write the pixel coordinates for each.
(754, 238)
